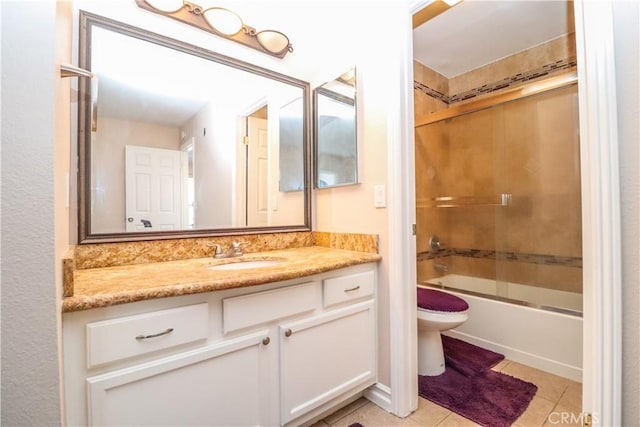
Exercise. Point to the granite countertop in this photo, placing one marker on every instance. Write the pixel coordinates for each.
(102, 287)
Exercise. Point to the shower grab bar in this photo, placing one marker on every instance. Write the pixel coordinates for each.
(505, 199)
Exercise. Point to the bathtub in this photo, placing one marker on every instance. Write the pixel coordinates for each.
(538, 332)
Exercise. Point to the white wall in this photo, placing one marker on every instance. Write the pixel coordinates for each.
(108, 166)
(214, 131)
(30, 285)
(626, 35)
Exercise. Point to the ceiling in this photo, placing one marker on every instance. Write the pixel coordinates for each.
(142, 81)
(474, 33)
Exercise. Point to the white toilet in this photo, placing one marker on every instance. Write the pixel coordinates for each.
(437, 311)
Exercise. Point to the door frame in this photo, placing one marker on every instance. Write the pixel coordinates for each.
(240, 183)
(602, 342)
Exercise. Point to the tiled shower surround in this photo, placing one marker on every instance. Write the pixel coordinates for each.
(506, 83)
(528, 148)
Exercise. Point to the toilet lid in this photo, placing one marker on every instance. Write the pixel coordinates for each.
(431, 299)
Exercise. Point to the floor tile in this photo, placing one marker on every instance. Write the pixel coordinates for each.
(371, 415)
(561, 416)
(501, 365)
(455, 420)
(340, 413)
(557, 402)
(536, 414)
(572, 397)
(550, 386)
(428, 413)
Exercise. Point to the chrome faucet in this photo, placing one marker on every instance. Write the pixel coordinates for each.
(234, 250)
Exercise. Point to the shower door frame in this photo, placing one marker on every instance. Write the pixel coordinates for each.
(600, 219)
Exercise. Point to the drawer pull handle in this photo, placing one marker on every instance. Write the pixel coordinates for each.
(159, 334)
(287, 333)
(266, 341)
(352, 289)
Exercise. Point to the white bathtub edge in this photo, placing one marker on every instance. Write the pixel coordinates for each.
(554, 367)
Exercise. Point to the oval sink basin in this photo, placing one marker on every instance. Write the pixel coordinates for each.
(243, 265)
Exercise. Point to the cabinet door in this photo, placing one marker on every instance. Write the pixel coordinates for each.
(326, 356)
(222, 384)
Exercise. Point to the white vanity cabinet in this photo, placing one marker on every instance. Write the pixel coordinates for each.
(325, 356)
(219, 384)
(275, 354)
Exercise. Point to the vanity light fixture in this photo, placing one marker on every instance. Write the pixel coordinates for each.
(221, 22)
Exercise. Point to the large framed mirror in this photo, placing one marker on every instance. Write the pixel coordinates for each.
(335, 132)
(178, 141)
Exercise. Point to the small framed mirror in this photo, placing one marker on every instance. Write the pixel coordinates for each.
(335, 132)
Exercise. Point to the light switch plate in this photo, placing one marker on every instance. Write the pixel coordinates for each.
(379, 196)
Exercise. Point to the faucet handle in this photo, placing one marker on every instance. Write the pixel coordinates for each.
(236, 247)
(218, 249)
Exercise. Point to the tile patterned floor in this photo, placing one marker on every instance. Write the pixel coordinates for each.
(557, 398)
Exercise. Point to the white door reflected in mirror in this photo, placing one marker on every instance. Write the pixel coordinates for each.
(153, 188)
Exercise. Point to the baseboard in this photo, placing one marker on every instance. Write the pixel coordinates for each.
(529, 359)
(380, 395)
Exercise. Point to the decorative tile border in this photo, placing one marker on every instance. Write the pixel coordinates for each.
(430, 92)
(565, 261)
(545, 70)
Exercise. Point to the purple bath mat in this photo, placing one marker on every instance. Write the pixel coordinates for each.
(491, 399)
(466, 358)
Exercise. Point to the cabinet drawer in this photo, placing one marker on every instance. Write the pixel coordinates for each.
(117, 339)
(263, 307)
(347, 288)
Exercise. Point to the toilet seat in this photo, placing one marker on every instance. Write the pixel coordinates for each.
(438, 301)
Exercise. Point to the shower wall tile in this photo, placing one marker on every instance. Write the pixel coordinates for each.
(434, 92)
(556, 277)
(426, 104)
(426, 271)
(559, 274)
(472, 227)
(555, 50)
(433, 176)
(543, 174)
(475, 267)
(543, 224)
(529, 149)
(430, 88)
(431, 224)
